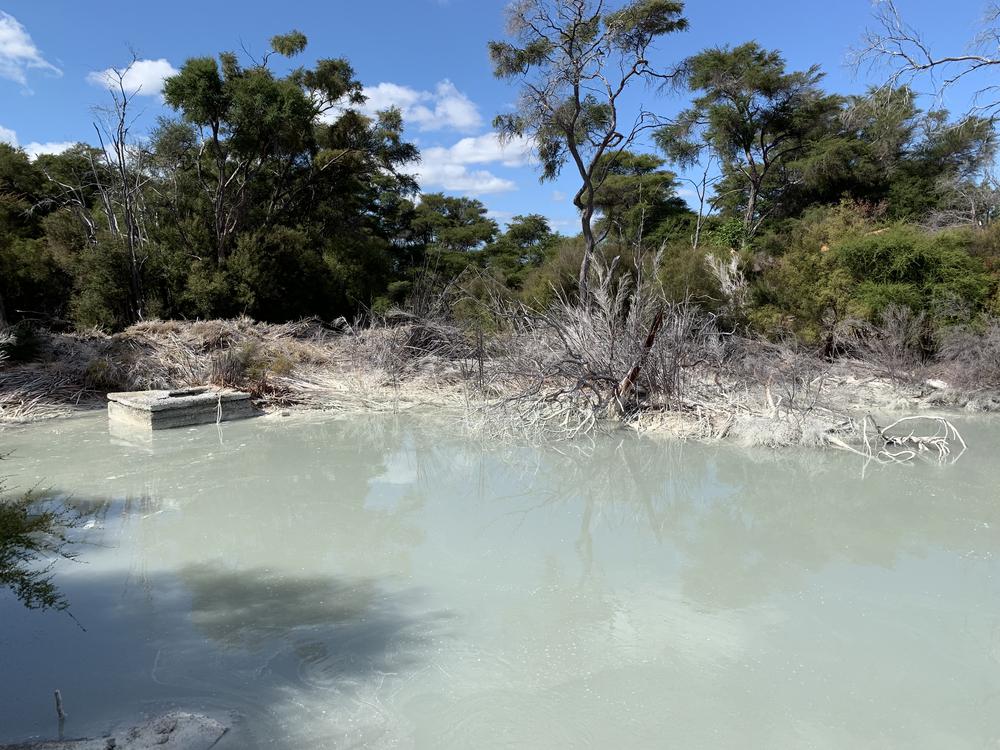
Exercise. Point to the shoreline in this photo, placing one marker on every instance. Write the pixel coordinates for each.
(307, 367)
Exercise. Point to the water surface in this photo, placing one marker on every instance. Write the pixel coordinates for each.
(378, 582)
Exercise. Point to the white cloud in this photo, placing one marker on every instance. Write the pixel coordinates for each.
(558, 196)
(459, 178)
(447, 168)
(444, 108)
(483, 149)
(18, 53)
(568, 224)
(143, 77)
(34, 149)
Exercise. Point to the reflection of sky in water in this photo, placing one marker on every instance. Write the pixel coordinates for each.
(371, 582)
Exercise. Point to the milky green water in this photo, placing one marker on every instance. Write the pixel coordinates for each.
(376, 582)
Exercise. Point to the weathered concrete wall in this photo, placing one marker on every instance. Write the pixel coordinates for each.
(158, 410)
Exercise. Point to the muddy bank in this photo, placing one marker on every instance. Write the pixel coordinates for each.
(176, 730)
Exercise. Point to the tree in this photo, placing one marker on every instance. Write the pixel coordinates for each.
(575, 61)
(120, 174)
(526, 244)
(756, 118)
(895, 45)
(450, 229)
(885, 151)
(19, 184)
(251, 122)
(32, 281)
(636, 198)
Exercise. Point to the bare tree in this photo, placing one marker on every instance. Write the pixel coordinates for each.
(701, 185)
(966, 202)
(894, 44)
(120, 177)
(116, 177)
(575, 59)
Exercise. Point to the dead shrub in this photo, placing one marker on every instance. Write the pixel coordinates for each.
(893, 345)
(971, 354)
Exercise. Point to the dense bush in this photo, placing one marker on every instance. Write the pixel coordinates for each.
(904, 266)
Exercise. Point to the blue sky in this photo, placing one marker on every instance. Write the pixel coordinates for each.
(429, 56)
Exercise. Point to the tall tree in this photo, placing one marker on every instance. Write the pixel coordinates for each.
(449, 224)
(251, 122)
(882, 150)
(575, 61)
(755, 117)
(451, 232)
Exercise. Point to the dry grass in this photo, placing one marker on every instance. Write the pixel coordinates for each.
(294, 364)
(630, 357)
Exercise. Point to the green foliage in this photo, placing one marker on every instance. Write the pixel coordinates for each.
(525, 245)
(730, 234)
(101, 295)
(635, 195)
(684, 275)
(30, 536)
(452, 232)
(755, 119)
(903, 266)
(556, 276)
(839, 263)
(643, 20)
(269, 192)
(289, 44)
(279, 275)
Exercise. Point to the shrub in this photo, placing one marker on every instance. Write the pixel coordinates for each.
(235, 367)
(104, 374)
(557, 276)
(814, 286)
(905, 267)
(684, 274)
(972, 353)
(19, 343)
(278, 275)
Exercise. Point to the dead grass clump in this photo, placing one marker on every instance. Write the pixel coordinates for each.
(234, 366)
(105, 374)
(971, 355)
(31, 393)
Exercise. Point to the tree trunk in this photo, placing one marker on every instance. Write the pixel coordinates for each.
(583, 284)
(751, 211)
(628, 382)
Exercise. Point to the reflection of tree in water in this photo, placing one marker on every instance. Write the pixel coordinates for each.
(333, 627)
(33, 534)
(290, 495)
(37, 529)
(239, 608)
(748, 523)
